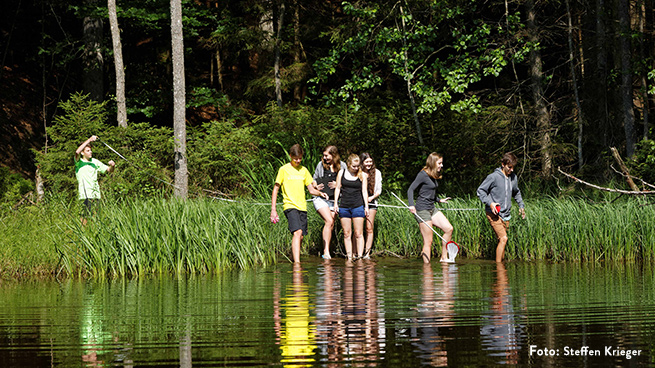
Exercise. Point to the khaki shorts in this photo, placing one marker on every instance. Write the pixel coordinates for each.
(500, 227)
(425, 215)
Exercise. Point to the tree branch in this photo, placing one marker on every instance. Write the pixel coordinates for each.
(631, 192)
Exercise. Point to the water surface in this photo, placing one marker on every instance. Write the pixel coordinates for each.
(384, 312)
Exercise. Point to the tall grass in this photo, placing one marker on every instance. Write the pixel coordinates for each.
(137, 237)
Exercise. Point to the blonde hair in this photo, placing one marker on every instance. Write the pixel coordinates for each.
(350, 160)
(431, 165)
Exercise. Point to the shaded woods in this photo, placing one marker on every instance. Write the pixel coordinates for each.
(558, 83)
(213, 105)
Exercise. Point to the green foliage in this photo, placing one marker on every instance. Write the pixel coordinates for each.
(12, 187)
(644, 160)
(436, 46)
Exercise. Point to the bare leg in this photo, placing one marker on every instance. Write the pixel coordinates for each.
(426, 232)
(358, 225)
(346, 225)
(439, 220)
(328, 217)
(296, 242)
(500, 249)
(370, 221)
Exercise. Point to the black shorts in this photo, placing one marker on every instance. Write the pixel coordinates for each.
(297, 220)
(89, 207)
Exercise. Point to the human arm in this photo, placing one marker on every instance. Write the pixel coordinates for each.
(79, 149)
(318, 172)
(484, 193)
(418, 181)
(377, 188)
(516, 192)
(274, 217)
(337, 192)
(365, 191)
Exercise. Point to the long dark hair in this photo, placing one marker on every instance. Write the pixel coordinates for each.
(336, 159)
(370, 172)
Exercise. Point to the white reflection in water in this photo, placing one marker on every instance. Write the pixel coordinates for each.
(349, 322)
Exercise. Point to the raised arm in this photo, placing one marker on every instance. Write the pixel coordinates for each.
(79, 149)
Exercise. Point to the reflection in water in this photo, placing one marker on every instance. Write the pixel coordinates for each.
(337, 314)
(436, 313)
(294, 323)
(348, 314)
(501, 333)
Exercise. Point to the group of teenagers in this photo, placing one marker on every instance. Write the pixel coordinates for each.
(349, 190)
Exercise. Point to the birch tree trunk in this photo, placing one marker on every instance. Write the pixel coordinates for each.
(540, 106)
(179, 101)
(121, 109)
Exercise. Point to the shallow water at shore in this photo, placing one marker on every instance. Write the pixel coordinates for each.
(383, 312)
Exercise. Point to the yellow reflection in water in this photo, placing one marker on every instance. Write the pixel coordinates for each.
(297, 334)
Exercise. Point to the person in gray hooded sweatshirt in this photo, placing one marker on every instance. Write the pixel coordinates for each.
(496, 192)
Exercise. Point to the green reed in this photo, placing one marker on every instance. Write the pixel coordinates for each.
(137, 237)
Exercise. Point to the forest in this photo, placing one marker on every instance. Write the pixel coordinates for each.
(559, 83)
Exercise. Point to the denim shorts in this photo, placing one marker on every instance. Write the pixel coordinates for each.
(352, 212)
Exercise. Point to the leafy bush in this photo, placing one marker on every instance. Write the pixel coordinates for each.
(644, 162)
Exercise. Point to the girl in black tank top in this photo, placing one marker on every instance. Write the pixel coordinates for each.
(351, 203)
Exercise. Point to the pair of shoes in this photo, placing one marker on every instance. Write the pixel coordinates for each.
(326, 256)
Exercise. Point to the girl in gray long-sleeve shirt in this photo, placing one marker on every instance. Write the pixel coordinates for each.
(496, 192)
(424, 211)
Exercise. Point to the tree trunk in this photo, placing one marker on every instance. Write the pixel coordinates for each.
(93, 78)
(408, 79)
(540, 105)
(278, 82)
(296, 46)
(601, 71)
(626, 77)
(575, 84)
(121, 109)
(179, 101)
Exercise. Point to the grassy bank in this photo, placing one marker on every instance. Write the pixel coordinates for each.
(135, 237)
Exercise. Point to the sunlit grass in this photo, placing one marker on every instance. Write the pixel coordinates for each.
(157, 236)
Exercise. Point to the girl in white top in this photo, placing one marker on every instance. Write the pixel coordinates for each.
(374, 188)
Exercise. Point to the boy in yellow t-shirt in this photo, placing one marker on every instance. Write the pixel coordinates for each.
(293, 178)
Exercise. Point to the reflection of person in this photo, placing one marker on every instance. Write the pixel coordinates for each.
(351, 203)
(329, 325)
(294, 329)
(360, 311)
(374, 188)
(86, 172)
(425, 212)
(435, 310)
(496, 191)
(292, 179)
(325, 180)
(501, 335)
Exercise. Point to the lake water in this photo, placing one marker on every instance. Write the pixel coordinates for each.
(384, 312)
